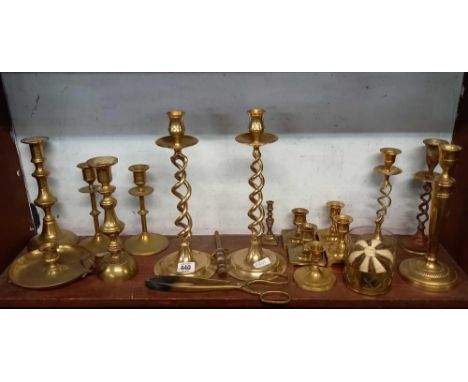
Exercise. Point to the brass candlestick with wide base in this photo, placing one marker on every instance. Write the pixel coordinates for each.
(144, 244)
(117, 265)
(186, 261)
(429, 273)
(289, 236)
(255, 262)
(330, 234)
(418, 243)
(98, 243)
(51, 232)
(269, 238)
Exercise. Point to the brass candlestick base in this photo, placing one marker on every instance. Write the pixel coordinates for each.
(62, 237)
(330, 234)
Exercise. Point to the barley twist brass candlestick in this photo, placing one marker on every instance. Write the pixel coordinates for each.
(255, 262)
(144, 244)
(429, 273)
(331, 233)
(117, 265)
(269, 238)
(186, 260)
(418, 243)
(45, 200)
(98, 243)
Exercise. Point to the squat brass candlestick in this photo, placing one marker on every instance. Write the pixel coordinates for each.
(51, 232)
(269, 238)
(337, 251)
(255, 262)
(331, 233)
(418, 243)
(117, 265)
(98, 243)
(186, 260)
(429, 273)
(144, 244)
(296, 253)
(290, 236)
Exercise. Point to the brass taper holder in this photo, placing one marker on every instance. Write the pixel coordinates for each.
(145, 243)
(296, 253)
(269, 238)
(289, 236)
(338, 250)
(330, 234)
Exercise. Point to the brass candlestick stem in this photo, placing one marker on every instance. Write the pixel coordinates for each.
(98, 243)
(45, 200)
(117, 265)
(186, 260)
(430, 273)
(255, 262)
(330, 234)
(269, 238)
(145, 243)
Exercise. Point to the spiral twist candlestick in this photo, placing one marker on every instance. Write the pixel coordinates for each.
(184, 220)
(257, 182)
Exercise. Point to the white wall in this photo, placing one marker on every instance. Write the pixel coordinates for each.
(330, 126)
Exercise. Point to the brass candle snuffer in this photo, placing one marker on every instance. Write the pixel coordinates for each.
(428, 272)
(296, 253)
(330, 234)
(418, 243)
(337, 250)
(289, 236)
(117, 265)
(269, 238)
(99, 242)
(186, 260)
(145, 243)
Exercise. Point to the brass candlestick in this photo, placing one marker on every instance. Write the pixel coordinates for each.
(145, 243)
(296, 253)
(255, 262)
(98, 243)
(51, 232)
(330, 234)
(294, 235)
(429, 273)
(269, 238)
(186, 260)
(418, 243)
(337, 251)
(117, 265)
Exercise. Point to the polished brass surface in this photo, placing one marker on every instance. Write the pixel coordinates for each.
(296, 253)
(313, 277)
(145, 243)
(419, 242)
(220, 254)
(330, 234)
(51, 232)
(337, 251)
(200, 264)
(117, 265)
(254, 262)
(99, 242)
(429, 273)
(269, 238)
(289, 236)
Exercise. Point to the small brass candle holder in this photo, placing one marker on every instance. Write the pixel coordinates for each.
(98, 243)
(51, 232)
(144, 244)
(337, 251)
(117, 265)
(289, 236)
(330, 234)
(186, 261)
(429, 273)
(313, 277)
(296, 253)
(269, 238)
(255, 262)
(419, 242)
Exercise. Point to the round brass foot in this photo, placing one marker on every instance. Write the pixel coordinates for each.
(146, 244)
(116, 270)
(63, 237)
(205, 265)
(309, 278)
(431, 276)
(414, 244)
(97, 244)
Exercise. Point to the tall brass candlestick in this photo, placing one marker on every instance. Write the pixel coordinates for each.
(255, 262)
(186, 260)
(117, 265)
(145, 243)
(430, 273)
(51, 232)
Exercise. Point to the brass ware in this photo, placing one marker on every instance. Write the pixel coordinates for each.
(269, 238)
(51, 232)
(255, 262)
(330, 234)
(429, 273)
(117, 265)
(313, 277)
(418, 243)
(337, 251)
(296, 253)
(220, 254)
(186, 260)
(98, 243)
(294, 235)
(145, 243)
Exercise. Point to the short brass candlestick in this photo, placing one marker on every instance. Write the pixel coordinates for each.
(269, 238)
(98, 243)
(117, 265)
(51, 232)
(330, 234)
(186, 260)
(430, 273)
(289, 236)
(296, 253)
(337, 251)
(255, 262)
(418, 243)
(144, 244)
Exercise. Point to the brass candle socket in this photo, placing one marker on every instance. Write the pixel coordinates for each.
(269, 238)
(337, 251)
(255, 262)
(186, 261)
(330, 234)
(419, 242)
(51, 232)
(296, 253)
(144, 244)
(429, 273)
(293, 236)
(117, 265)
(98, 243)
